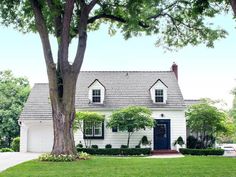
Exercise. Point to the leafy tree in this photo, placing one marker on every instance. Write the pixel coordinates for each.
(88, 117)
(176, 23)
(232, 114)
(131, 119)
(13, 93)
(232, 111)
(208, 122)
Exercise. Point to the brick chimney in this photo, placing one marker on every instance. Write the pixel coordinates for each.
(174, 68)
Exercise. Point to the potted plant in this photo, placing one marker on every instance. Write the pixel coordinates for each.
(144, 142)
(179, 143)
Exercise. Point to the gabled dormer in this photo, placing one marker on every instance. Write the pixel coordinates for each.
(96, 92)
(158, 92)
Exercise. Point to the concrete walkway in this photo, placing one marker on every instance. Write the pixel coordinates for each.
(166, 156)
(9, 159)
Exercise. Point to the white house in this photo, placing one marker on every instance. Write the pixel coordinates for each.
(106, 91)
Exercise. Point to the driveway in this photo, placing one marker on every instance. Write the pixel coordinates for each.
(9, 159)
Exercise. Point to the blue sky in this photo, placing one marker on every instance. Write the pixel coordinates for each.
(203, 72)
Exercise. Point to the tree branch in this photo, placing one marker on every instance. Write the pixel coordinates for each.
(57, 17)
(173, 20)
(113, 18)
(233, 5)
(92, 4)
(160, 13)
(43, 32)
(82, 42)
(65, 35)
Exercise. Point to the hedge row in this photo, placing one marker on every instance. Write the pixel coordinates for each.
(116, 151)
(187, 151)
(6, 150)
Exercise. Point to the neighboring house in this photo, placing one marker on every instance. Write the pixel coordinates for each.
(104, 92)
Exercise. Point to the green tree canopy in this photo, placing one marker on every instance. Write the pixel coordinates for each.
(177, 22)
(14, 92)
(208, 122)
(233, 109)
(131, 119)
(92, 117)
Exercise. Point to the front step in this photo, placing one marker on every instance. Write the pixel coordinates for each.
(164, 152)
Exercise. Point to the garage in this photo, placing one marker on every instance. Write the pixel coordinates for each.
(40, 138)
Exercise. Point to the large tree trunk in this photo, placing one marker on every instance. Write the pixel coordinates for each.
(63, 77)
(62, 94)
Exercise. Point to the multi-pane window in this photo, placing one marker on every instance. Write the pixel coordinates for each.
(93, 130)
(159, 96)
(88, 129)
(98, 129)
(96, 96)
(115, 129)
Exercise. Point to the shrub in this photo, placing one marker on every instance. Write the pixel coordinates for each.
(94, 146)
(144, 140)
(80, 145)
(187, 151)
(84, 155)
(6, 150)
(137, 146)
(123, 146)
(57, 158)
(108, 146)
(116, 151)
(15, 145)
(179, 141)
(192, 142)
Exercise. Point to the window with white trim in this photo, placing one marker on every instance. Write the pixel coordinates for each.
(93, 130)
(96, 96)
(159, 96)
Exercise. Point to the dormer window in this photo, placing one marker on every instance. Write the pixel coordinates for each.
(96, 92)
(96, 96)
(159, 96)
(158, 92)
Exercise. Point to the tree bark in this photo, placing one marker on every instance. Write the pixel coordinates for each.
(233, 5)
(63, 113)
(63, 77)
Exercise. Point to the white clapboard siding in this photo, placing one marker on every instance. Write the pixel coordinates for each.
(116, 139)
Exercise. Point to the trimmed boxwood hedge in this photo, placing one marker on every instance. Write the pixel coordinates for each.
(187, 151)
(6, 150)
(116, 151)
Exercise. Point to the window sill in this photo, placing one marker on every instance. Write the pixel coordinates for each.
(91, 103)
(161, 103)
(94, 137)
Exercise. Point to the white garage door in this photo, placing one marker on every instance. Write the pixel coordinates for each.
(40, 138)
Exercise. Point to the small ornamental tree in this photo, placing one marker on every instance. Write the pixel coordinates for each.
(208, 122)
(131, 119)
(88, 117)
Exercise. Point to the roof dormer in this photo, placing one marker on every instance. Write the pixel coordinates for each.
(158, 92)
(96, 92)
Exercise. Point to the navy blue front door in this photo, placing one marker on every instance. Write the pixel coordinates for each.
(162, 134)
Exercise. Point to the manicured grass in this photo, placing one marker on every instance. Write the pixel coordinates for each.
(128, 167)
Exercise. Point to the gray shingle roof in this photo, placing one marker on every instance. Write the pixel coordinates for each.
(123, 88)
(192, 102)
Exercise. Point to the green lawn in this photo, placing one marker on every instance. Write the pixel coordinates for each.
(128, 167)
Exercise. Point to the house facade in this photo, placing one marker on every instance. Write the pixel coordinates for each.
(105, 92)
